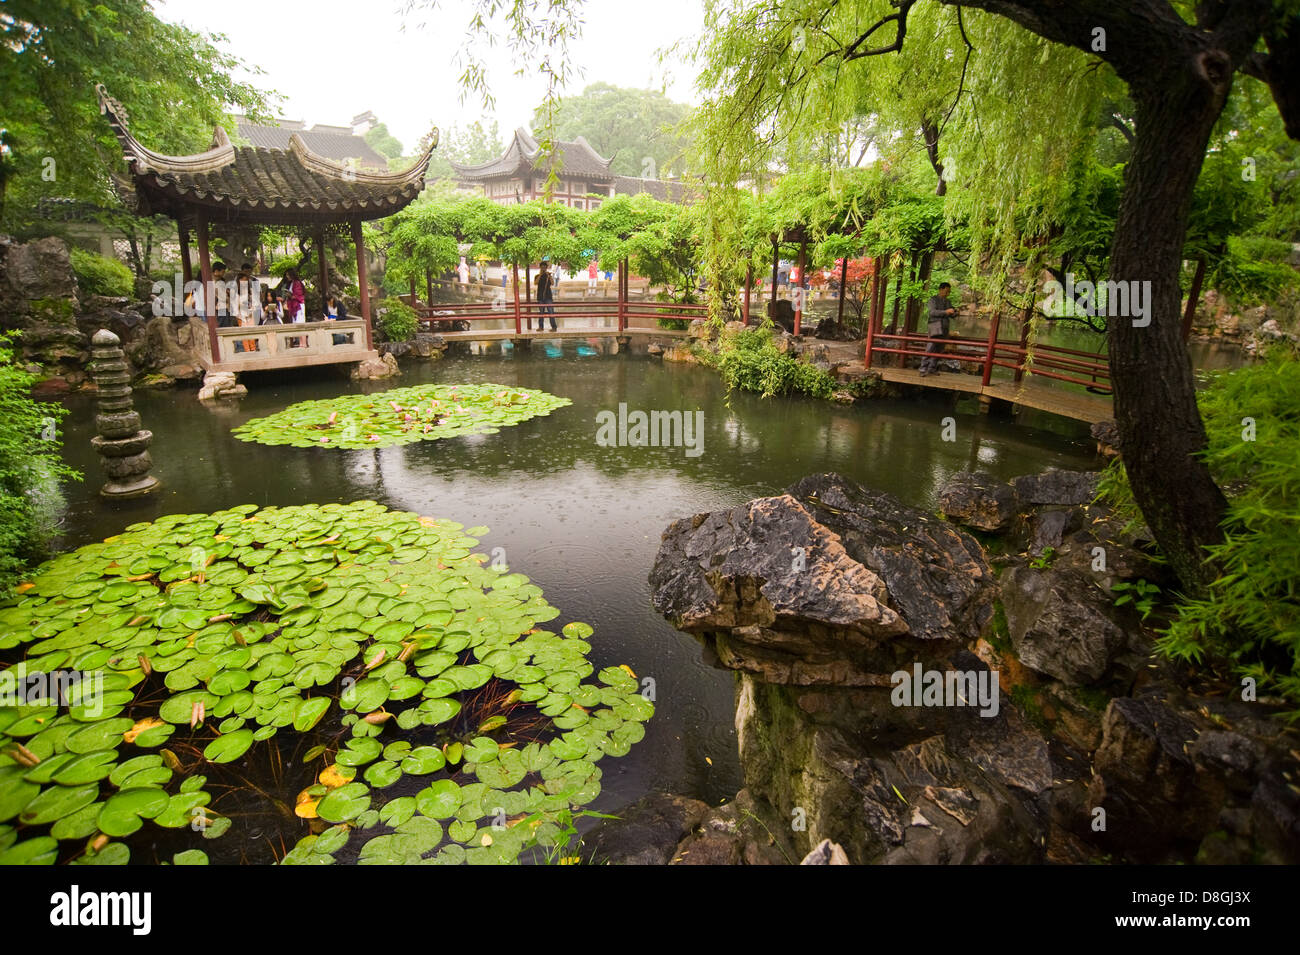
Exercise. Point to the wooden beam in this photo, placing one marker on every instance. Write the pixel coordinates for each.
(322, 268)
(776, 262)
(994, 324)
(209, 293)
(749, 285)
(622, 295)
(515, 268)
(363, 280)
(187, 270)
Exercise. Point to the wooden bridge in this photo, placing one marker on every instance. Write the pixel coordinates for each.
(1085, 375)
(574, 319)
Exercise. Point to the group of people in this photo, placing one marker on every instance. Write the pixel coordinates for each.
(247, 302)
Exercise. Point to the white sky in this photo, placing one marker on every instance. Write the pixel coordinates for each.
(333, 59)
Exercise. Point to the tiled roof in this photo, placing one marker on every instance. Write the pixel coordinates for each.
(332, 142)
(575, 159)
(662, 189)
(260, 185)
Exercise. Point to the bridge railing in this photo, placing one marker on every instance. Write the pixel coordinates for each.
(1072, 366)
(616, 315)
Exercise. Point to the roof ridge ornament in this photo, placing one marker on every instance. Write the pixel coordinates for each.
(143, 160)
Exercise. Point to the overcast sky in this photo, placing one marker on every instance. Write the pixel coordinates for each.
(333, 59)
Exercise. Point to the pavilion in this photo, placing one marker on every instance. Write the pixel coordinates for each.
(259, 186)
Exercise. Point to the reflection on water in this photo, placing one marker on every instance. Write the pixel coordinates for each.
(581, 520)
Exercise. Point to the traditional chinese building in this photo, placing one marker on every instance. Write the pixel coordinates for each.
(585, 178)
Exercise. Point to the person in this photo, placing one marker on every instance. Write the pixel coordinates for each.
(462, 271)
(295, 307)
(545, 297)
(220, 295)
(270, 308)
(246, 308)
(592, 272)
(940, 311)
(336, 311)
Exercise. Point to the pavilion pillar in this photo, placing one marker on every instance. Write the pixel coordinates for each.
(515, 268)
(187, 270)
(528, 284)
(776, 262)
(209, 293)
(844, 288)
(413, 299)
(800, 300)
(363, 279)
(428, 287)
(622, 295)
(749, 285)
(323, 269)
(990, 353)
(1024, 342)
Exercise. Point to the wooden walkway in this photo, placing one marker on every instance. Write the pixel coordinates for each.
(1027, 394)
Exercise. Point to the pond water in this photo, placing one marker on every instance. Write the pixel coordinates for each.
(581, 520)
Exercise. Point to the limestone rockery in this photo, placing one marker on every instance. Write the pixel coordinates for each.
(1064, 741)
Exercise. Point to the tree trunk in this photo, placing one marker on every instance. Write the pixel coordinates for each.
(1155, 396)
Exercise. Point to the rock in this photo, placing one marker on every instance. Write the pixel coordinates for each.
(41, 270)
(1057, 487)
(1106, 434)
(396, 349)
(734, 327)
(701, 329)
(1229, 326)
(654, 348)
(781, 312)
(843, 397)
(1049, 528)
(681, 353)
(383, 367)
(647, 832)
(1061, 624)
(221, 384)
(826, 853)
(1271, 330)
(185, 371)
(793, 604)
(979, 500)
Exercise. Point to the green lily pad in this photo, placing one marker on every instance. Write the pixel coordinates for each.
(228, 748)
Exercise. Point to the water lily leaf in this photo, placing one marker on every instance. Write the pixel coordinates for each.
(57, 802)
(346, 802)
(43, 850)
(309, 712)
(228, 748)
(439, 800)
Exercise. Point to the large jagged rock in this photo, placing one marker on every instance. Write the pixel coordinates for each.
(383, 367)
(978, 499)
(1061, 624)
(40, 270)
(647, 832)
(1057, 487)
(829, 584)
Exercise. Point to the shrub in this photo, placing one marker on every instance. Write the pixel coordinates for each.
(97, 275)
(1250, 616)
(398, 321)
(748, 359)
(30, 470)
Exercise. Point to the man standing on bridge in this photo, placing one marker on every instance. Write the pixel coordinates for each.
(939, 312)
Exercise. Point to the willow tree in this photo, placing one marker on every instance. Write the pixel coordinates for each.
(1025, 81)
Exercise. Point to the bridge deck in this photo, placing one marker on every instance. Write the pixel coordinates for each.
(1028, 393)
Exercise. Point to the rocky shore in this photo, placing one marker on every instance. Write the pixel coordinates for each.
(849, 618)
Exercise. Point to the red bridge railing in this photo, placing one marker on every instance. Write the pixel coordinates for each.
(622, 313)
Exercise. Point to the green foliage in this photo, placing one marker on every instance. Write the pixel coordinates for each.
(177, 84)
(99, 275)
(1251, 615)
(1043, 560)
(1140, 593)
(30, 469)
(1246, 277)
(397, 321)
(383, 142)
(749, 360)
(636, 128)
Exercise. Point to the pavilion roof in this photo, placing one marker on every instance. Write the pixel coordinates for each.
(253, 184)
(576, 159)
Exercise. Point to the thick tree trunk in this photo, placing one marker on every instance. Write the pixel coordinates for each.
(1155, 396)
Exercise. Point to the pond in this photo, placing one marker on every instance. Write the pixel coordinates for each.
(582, 520)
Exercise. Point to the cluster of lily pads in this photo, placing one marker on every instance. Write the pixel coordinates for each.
(459, 730)
(400, 416)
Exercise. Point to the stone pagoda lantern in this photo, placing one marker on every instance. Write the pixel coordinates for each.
(122, 446)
